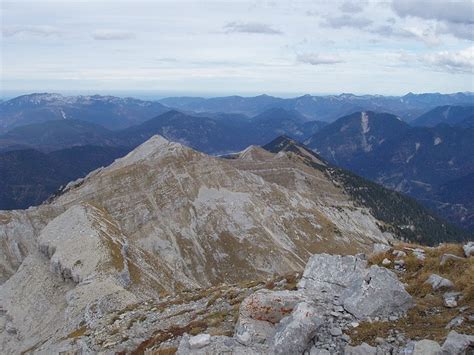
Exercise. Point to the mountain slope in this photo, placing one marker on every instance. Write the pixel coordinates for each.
(55, 135)
(410, 160)
(29, 177)
(108, 111)
(451, 115)
(400, 214)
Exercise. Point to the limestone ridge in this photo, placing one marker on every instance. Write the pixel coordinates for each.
(162, 219)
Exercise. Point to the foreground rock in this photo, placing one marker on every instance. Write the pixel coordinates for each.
(458, 344)
(332, 294)
(469, 249)
(363, 292)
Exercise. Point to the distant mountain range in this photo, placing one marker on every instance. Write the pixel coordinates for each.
(108, 111)
(414, 160)
(322, 108)
(119, 113)
(217, 134)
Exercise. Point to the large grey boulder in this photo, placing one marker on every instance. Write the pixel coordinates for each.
(427, 347)
(294, 333)
(364, 292)
(458, 344)
(380, 293)
(328, 275)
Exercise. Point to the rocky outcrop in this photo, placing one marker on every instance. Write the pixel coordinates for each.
(332, 294)
(363, 292)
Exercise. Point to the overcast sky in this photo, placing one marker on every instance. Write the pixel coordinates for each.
(238, 47)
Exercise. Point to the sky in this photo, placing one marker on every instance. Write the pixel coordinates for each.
(216, 48)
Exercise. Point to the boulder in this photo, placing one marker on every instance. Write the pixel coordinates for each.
(363, 292)
(469, 249)
(260, 311)
(270, 306)
(427, 347)
(446, 257)
(362, 349)
(326, 276)
(458, 344)
(450, 299)
(199, 341)
(251, 331)
(379, 293)
(455, 322)
(386, 262)
(399, 253)
(294, 332)
(437, 282)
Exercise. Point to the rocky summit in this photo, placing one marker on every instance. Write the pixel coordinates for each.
(171, 250)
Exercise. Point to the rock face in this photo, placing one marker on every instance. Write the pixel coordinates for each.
(364, 292)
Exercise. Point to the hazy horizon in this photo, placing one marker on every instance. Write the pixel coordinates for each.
(212, 48)
(154, 95)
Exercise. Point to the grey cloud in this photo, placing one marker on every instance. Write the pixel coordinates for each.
(251, 27)
(460, 11)
(455, 62)
(455, 17)
(43, 31)
(351, 7)
(347, 21)
(459, 30)
(112, 35)
(318, 59)
(391, 31)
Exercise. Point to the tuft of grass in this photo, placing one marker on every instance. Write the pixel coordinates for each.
(77, 333)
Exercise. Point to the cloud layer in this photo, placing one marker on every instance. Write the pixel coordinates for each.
(246, 46)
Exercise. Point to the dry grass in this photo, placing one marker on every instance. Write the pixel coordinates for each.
(428, 319)
(77, 333)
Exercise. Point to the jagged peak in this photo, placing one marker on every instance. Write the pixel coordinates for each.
(285, 144)
(254, 153)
